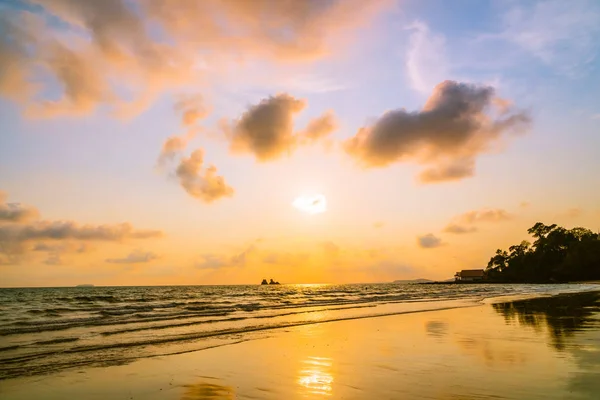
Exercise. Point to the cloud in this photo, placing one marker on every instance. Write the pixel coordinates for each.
(56, 237)
(55, 251)
(149, 46)
(562, 35)
(450, 171)
(173, 146)
(378, 224)
(204, 185)
(53, 259)
(16, 212)
(484, 215)
(134, 257)
(61, 230)
(211, 261)
(429, 241)
(425, 61)
(596, 116)
(458, 122)
(320, 127)
(459, 229)
(524, 204)
(62, 248)
(266, 129)
(464, 223)
(191, 109)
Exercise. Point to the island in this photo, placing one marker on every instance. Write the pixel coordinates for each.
(411, 281)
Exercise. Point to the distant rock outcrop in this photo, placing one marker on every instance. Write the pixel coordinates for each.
(271, 282)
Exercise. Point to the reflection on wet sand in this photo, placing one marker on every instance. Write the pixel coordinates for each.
(316, 376)
(562, 315)
(208, 391)
(573, 323)
(437, 329)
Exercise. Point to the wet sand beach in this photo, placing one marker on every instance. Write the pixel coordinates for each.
(540, 348)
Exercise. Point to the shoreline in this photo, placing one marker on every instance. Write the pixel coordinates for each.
(66, 353)
(394, 352)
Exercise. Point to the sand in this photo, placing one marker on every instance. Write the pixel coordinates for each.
(529, 349)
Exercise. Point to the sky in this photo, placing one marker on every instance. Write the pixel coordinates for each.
(150, 142)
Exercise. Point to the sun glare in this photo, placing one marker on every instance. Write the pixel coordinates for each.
(313, 204)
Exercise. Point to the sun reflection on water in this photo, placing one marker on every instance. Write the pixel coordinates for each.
(316, 376)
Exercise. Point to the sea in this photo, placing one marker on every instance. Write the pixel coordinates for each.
(46, 330)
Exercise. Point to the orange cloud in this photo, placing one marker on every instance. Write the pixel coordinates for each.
(20, 227)
(459, 229)
(192, 109)
(134, 257)
(465, 223)
(205, 185)
(211, 261)
(16, 212)
(457, 123)
(151, 46)
(320, 127)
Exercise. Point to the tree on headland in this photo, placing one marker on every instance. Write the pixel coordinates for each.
(556, 255)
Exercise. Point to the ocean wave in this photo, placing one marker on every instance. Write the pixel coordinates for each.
(45, 330)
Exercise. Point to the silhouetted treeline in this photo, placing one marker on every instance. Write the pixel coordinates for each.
(556, 255)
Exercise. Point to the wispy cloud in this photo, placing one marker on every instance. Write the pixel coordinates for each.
(212, 261)
(459, 229)
(191, 109)
(467, 222)
(562, 35)
(426, 59)
(59, 230)
(19, 236)
(135, 257)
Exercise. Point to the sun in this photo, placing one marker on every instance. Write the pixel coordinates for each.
(312, 204)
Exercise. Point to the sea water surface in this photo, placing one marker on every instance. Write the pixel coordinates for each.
(45, 330)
